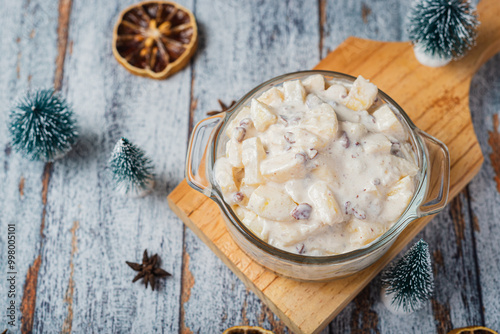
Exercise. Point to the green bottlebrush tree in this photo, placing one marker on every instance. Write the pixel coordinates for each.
(132, 171)
(408, 283)
(42, 125)
(442, 30)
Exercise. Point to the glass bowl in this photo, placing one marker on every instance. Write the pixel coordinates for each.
(208, 142)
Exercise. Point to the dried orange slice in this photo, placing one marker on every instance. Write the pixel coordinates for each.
(473, 330)
(155, 39)
(246, 330)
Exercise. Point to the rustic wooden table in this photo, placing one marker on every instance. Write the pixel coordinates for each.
(74, 234)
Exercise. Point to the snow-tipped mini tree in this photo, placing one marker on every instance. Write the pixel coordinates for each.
(442, 30)
(408, 283)
(132, 171)
(42, 125)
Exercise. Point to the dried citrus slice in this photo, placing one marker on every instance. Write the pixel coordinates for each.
(155, 39)
(246, 330)
(473, 330)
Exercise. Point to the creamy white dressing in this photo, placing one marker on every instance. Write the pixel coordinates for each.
(315, 168)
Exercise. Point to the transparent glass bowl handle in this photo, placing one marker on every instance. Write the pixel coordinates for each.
(196, 173)
(438, 175)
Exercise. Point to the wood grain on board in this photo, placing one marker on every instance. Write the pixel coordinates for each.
(71, 271)
(436, 99)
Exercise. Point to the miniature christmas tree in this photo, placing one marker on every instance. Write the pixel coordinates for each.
(42, 126)
(409, 282)
(132, 170)
(442, 30)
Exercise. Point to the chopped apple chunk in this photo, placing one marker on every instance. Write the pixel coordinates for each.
(388, 123)
(271, 203)
(262, 116)
(324, 203)
(362, 232)
(283, 167)
(252, 153)
(233, 153)
(323, 122)
(314, 83)
(272, 97)
(361, 95)
(398, 198)
(294, 91)
(224, 176)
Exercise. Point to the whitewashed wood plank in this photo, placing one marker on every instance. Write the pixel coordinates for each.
(28, 28)
(485, 105)
(242, 45)
(377, 20)
(109, 103)
(451, 243)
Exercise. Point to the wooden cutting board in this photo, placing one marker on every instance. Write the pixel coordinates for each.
(436, 99)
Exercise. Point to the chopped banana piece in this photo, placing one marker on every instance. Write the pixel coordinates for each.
(361, 95)
(314, 83)
(242, 114)
(388, 123)
(294, 91)
(324, 203)
(323, 121)
(252, 153)
(283, 167)
(377, 143)
(398, 198)
(272, 97)
(224, 176)
(262, 116)
(271, 203)
(233, 153)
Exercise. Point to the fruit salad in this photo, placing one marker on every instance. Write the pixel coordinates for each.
(317, 167)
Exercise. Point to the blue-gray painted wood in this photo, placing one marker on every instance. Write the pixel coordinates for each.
(29, 49)
(112, 229)
(485, 195)
(93, 230)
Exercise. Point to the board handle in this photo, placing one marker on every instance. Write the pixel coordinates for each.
(197, 152)
(488, 38)
(438, 175)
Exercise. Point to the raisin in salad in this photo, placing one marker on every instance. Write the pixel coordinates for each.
(317, 167)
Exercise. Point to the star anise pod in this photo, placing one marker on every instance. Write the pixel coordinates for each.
(223, 107)
(149, 270)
